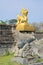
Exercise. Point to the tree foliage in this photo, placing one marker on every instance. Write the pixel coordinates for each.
(12, 21)
(38, 26)
(2, 22)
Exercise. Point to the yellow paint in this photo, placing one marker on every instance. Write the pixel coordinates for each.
(22, 22)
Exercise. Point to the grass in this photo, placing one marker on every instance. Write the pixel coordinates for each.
(5, 60)
(39, 60)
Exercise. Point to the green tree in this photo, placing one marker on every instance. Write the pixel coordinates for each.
(2, 22)
(12, 21)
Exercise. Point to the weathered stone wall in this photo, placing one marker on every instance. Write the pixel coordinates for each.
(7, 38)
(5, 47)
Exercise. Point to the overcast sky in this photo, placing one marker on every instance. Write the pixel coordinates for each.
(9, 9)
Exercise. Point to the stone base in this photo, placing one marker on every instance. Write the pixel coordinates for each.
(23, 61)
